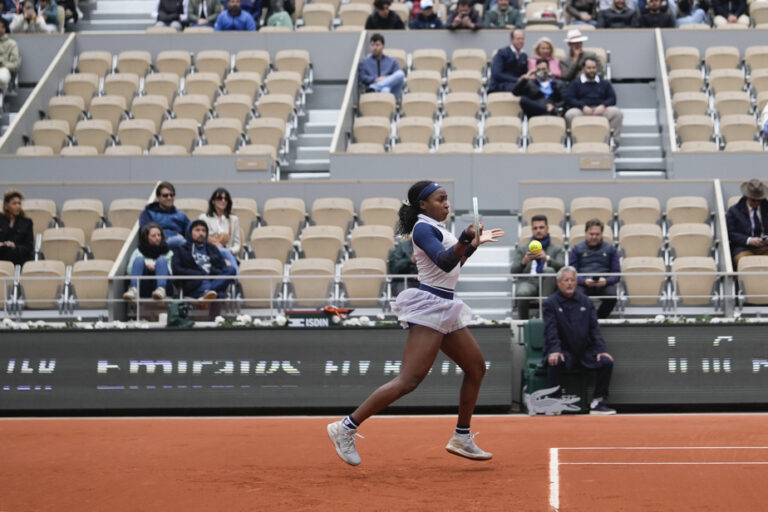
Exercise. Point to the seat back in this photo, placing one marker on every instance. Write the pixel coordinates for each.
(124, 85)
(266, 130)
(42, 281)
(134, 61)
(586, 208)
(694, 290)
(279, 106)
(83, 85)
(179, 132)
(50, 133)
(205, 83)
(62, 244)
(690, 239)
(722, 57)
(372, 241)
(96, 62)
(257, 61)
(432, 59)
(643, 290)
(322, 241)
(466, 104)
(173, 61)
(465, 80)
(363, 278)
(192, 106)
(224, 131)
(741, 127)
(546, 129)
(683, 57)
(686, 80)
(260, 293)
(419, 104)
(272, 242)
(82, 213)
(459, 129)
(93, 132)
(285, 211)
(424, 81)
(152, 107)
(243, 82)
(381, 211)
(687, 209)
(503, 104)
(640, 239)
(333, 211)
(377, 104)
(503, 129)
(41, 211)
(213, 61)
(246, 209)
(292, 60)
(733, 102)
(639, 209)
(311, 279)
(136, 132)
(695, 128)
(91, 293)
(755, 285)
(371, 129)
(124, 213)
(192, 207)
(469, 58)
(590, 129)
(162, 84)
(552, 207)
(79, 151)
(690, 103)
(66, 108)
(110, 107)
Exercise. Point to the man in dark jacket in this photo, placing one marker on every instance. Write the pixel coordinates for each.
(379, 72)
(171, 13)
(595, 256)
(174, 222)
(509, 63)
(540, 94)
(618, 16)
(655, 17)
(591, 95)
(464, 16)
(198, 257)
(401, 261)
(427, 18)
(382, 18)
(572, 338)
(204, 12)
(746, 222)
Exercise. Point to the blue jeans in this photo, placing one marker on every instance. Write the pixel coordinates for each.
(147, 286)
(227, 255)
(175, 241)
(696, 16)
(392, 83)
(217, 284)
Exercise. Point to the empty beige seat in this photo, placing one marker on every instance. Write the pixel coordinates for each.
(261, 280)
(97, 62)
(690, 239)
(756, 57)
(683, 57)
(744, 146)
(732, 102)
(111, 108)
(124, 85)
(136, 132)
(363, 279)
(79, 151)
(234, 106)
(577, 235)
(318, 15)
(590, 129)
(365, 148)
(722, 57)
(257, 61)
(432, 59)
(377, 104)
(162, 84)
(192, 106)
(455, 148)
(83, 85)
(213, 61)
(224, 131)
(690, 103)
(459, 129)
(354, 15)
(759, 81)
(285, 211)
(371, 129)
(333, 211)
(62, 244)
(400, 55)
(585, 208)
(695, 128)
(466, 104)
(738, 127)
(168, 150)
(380, 211)
(503, 104)
(266, 130)
(721, 80)
(162, 29)
(599, 148)
(284, 82)
(279, 106)
(545, 148)
(322, 241)
(312, 280)
(247, 211)
(424, 81)
(89, 279)
(555, 234)
(292, 60)
(755, 286)
(85, 214)
(546, 129)
(501, 148)
(173, 61)
(686, 80)
(179, 132)
(552, 207)
(243, 82)
(640, 239)
(212, 150)
(272, 242)
(473, 59)
(41, 211)
(372, 241)
(503, 129)
(135, 61)
(639, 210)
(42, 282)
(696, 289)
(50, 133)
(699, 146)
(193, 207)
(759, 13)
(93, 132)
(7, 273)
(66, 108)
(410, 148)
(465, 80)
(687, 209)
(205, 83)
(34, 151)
(124, 213)
(152, 106)
(419, 104)
(643, 289)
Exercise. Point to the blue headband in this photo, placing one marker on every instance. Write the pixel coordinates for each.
(427, 191)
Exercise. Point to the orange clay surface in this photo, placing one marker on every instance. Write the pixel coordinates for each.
(236, 464)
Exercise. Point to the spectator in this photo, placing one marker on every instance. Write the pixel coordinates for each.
(234, 18)
(223, 227)
(17, 238)
(71, 11)
(690, 12)
(582, 12)
(198, 257)
(503, 16)
(665, 6)
(590, 95)
(288, 6)
(464, 16)
(382, 18)
(9, 57)
(548, 260)
(402, 261)
(28, 22)
(379, 72)
(618, 16)
(572, 64)
(655, 18)
(204, 12)
(427, 17)
(509, 63)
(572, 339)
(596, 256)
(170, 13)
(764, 121)
(277, 16)
(49, 11)
(174, 222)
(746, 222)
(151, 258)
(728, 12)
(544, 49)
(252, 7)
(540, 94)
(9, 9)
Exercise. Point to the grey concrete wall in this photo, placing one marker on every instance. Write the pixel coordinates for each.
(702, 39)
(37, 52)
(716, 165)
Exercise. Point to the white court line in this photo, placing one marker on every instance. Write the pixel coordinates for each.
(660, 463)
(664, 448)
(554, 479)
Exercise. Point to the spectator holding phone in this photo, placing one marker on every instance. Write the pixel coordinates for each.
(592, 257)
(464, 16)
(746, 222)
(28, 22)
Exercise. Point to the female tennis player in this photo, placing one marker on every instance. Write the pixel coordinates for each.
(436, 319)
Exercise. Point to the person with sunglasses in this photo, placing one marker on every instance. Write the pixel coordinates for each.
(174, 222)
(223, 226)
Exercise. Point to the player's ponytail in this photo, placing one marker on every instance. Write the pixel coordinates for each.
(410, 210)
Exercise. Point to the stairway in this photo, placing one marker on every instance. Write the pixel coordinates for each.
(640, 153)
(489, 297)
(116, 15)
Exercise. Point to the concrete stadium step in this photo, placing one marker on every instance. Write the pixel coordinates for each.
(639, 152)
(483, 284)
(645, 138)
(314, 140)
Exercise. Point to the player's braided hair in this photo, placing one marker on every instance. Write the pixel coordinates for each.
(410, 210)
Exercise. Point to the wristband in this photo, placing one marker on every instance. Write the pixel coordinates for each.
(470, 251)
(464, 238)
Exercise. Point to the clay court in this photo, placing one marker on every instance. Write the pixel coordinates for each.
(569, 463)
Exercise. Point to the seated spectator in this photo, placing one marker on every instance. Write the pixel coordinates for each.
(28, 22)
(548, 260)
(151, 258)
(8, 9)
(591, 95)
(277, 16)
(464, 16)
(288, 6)
(690, 12)
(252, 7)
(509, 64)
(162, 212)
(571, 65)
(382, 18)
(427, 17)
(618, 16)
(746, 221)
(234, 18)
(401, 261)
(595, 256)
(730, 11)
(540, 94)
(582, 12)
(544, 49)
(503, 16)
(198, 257)
(666, 6)
(655, 18)
(223, 227)
(379, 72)
(204, 12)
(71, 10)
(170, 13)
(49, 10)
(9, 57)
(17, 238)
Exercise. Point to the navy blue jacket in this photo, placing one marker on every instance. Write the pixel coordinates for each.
(368, 69)
(570, 325)
(391, 22)
(423, 22)
(173, 222)
(595, 260)
(739, 226)
(183, 263)
(726, 7)
(506, 69)
(579, 94)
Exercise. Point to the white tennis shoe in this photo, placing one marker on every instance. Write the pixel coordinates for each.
(344, 441)
(464, 445)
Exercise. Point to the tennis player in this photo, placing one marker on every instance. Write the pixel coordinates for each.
(436, 319)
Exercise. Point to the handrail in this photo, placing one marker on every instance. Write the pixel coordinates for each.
(351, 81)
(661, 59)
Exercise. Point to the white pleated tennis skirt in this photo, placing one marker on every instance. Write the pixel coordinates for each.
(421, 307)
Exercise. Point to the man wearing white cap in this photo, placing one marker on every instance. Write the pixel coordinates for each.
(427, 18)
(571, 65)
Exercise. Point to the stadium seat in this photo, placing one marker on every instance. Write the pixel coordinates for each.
(419, 104)
(111, 108)
(212, 150)
(162, 84)
(7, 273)
(690, 103)
(732, 103)
(179, 132)
(243, 82)
(205, 83)
(266, 130)
(261, 292)
(34, 151)
(312, 280)
(463, 104)
(501, 148)
(686, 80)
(545, 148)
(213, 61)
(153, 107)
(62, 244)
(639, 210)
(318, 15)
(91, 293)
(42, 293)
(473, 59)
(372, 241)
(699, 146)
(193, 207)
(93, 132)
(66, 108)
(124, 213)
(576, 234)
(83, 85)
(42, 212)
(285, 211)
(758, 80)
(640, 239)
(322, 241)
(363, 279)
(681, 209)
(503, 129)
(690, 239)
(377, 104)
(136, 132)
(371, 129)
(177, 62)
(589, 129)
(683, 57)
(272, 242)
(459, 129)
(455, 148)
(738, 127)
(97, 62)
(555, 234)
(255, 61)
(134, 61)
(583, 209)
(354, 15)
(410, 148)
(381, 211)
(85, 214)
(365, 148)
(599, 148)
(333, 211)
(224, 131)
(643, 290)
(168, 150)
(693, 290)
(546, 129)
(424, 81)
(721, 80)
(279, 106)
(744, 146)
(292, 60)
(247, 211)
(122, 84)
(398, 54)
(192, 106)
(79, 151)
(722, 57)
(465, 80)
(503, 104)
(753, 286)
(50, 133)
(756, 57)
(552, 207)
(283, 82)
(759, 13)
(695, 128)
(432, 59)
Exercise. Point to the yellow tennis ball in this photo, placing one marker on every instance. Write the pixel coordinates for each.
(534, 246)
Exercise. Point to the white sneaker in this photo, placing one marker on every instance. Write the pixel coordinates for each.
(209, 295)
(159, 293)
(344, 441)
(131, 294)
(464, 445)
